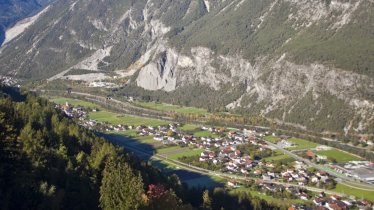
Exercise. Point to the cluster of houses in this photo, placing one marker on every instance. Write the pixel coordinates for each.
(170, 134)
(315, 157)
(302, 177)
(274, 189)
(81, 114)
(73, 112)
(213, 130)
(224, 151)
(90, 124)
(333, 202)
(8, 81)
(296, 174)
(232, 140)
(101, 126)
(365, 139)
(320, 201)
(285, 144)
(167, 134)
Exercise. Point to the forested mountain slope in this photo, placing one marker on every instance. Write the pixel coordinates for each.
(49, 162)
(308, 63)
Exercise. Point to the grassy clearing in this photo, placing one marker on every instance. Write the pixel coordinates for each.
(189, 127)
(272, 139)
(74, 102)
(354, 192)
(302, 144)
(148, 140)
(339, 156)
(205, 134)
(268, 198)
(171, 108)
(188, 153)
(129, 133)
(113, 118)
(168, 149)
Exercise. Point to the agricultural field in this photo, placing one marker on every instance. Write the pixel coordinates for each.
(339, 156)
(354, 192)
(74, 102)
(302, 144)
(189, 127)
(205, 134)
(113, 118)
(187, 153)
(272, 139)
(170, 108)
(168, 150)
(149, 140)
(277, 156)
(172, 152)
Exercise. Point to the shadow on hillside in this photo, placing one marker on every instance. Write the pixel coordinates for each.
(2, 35)
(145, 151)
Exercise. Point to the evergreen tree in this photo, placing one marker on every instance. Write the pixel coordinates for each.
(120, 188)
(207, 201)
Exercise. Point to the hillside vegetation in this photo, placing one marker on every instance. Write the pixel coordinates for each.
(49, 162)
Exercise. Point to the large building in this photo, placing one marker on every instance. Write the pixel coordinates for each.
(363, 170)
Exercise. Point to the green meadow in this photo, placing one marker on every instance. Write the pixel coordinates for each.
(302, 144)
(339, 156)
(170, 108)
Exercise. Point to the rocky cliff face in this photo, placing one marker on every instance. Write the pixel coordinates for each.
(309, 63)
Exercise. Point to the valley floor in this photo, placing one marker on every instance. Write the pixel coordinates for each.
(169, 157)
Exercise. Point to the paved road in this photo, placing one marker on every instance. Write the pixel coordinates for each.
(345, 180)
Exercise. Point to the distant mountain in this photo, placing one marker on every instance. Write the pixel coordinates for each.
(308, 63)
(12, 11)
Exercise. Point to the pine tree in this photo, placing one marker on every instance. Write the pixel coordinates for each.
(120, 188)
(207, 201)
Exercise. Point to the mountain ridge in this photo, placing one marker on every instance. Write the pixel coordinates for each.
(286, 57)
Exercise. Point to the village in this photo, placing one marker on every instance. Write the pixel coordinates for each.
(9, 81)
(240, 152)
